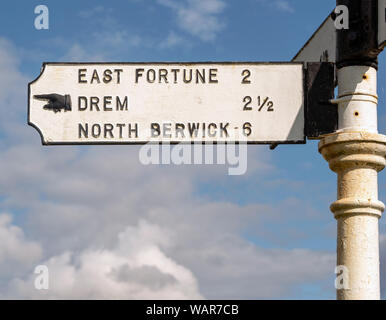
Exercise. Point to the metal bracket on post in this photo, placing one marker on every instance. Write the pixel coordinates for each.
(321, 114)
(358, 45)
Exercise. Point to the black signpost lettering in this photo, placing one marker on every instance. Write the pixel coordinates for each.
(247, 100)
(81, 75)
(122, 105)
(138, 74)
(212, 130)
(163, 73)
(106, 103)
(246, 74)
(94, 101)
(118, 72)
(247, 129)
(133, 130)
(213, 75)
(167, 128)
(175, 71)
(107, 76)
(155, 130)
(120, 127)
(200, 76)
(80, 106)
(95, 77)
(82, 130)
(180, 127)
(96, 130)
(108, 130)
(224, 130)
(193, 129)
(186, 80)
(150, 75)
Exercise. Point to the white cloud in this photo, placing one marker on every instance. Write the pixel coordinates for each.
(13, 92)
(107, 38)
(94, 12)
(284, 6)
(78, 53)
(17, 255)
(172, 40)
(200, 18)
(225, 262)
(83, 198)
(136, 268)
(109, 33)
(281, 5)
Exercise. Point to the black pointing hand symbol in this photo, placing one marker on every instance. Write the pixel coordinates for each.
(56, 102)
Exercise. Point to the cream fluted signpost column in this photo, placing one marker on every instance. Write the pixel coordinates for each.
(356, 152)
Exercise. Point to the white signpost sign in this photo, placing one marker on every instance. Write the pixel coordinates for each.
(321, 47)
(136, 103)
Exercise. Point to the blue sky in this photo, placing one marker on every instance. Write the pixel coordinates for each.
(194, 230)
